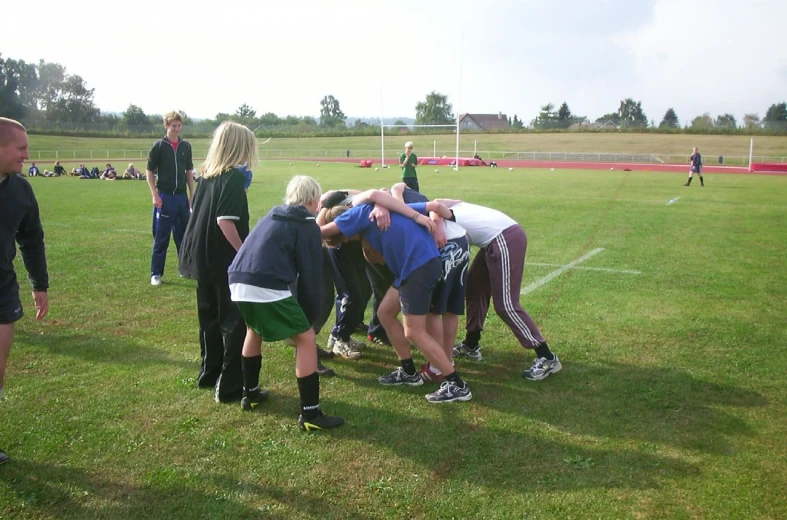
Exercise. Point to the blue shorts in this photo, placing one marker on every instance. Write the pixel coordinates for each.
(415, 291)
(449, 296)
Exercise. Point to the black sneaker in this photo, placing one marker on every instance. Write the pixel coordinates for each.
(324, 371)
(321, 422)
(400, 377)
(3, 457)
(324, 354)
(251, 398)
(362, 328)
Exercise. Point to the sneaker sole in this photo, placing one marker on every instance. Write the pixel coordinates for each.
(352, 355)
(545, 375)
(462, 398)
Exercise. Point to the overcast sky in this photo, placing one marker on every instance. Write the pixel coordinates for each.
(381, 56)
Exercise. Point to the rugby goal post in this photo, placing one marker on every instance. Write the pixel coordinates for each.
(383, 126)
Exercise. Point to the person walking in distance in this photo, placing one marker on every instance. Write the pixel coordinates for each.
(695, 166)
(20, 224)
(408, 162)
(170, 171)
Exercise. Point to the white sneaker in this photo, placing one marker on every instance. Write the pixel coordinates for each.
(155, 280)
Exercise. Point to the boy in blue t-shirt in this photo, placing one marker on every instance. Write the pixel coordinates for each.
(410, 253)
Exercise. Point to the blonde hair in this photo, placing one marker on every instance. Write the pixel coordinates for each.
(7, 127)
(130, 165)
(301, 190)
(172, 116)
(408, 144)
(232, 145)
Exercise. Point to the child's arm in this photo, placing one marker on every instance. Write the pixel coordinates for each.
(439, 208)
(230, 232)
(386, 201)
(397, 191)
(329, 230)
(448, 202)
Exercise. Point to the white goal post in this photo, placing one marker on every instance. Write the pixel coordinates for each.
(383, 126)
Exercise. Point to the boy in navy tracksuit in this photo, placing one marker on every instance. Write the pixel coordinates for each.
(170, 160)
(284, 247)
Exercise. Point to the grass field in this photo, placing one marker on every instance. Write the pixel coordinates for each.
(679, 145)
(672, 402)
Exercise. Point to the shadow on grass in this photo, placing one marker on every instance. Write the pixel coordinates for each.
(467, 452)
(621, 401)
(660, 405)
(67, 492)
(110, 349)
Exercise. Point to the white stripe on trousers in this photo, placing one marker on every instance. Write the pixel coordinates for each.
(507, 302)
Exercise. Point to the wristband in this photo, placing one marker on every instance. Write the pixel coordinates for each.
(415, 216)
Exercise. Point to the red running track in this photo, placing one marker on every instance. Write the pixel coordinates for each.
(569, 165)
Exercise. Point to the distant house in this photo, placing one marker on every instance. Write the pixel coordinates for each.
(606, 125)
(483, 121)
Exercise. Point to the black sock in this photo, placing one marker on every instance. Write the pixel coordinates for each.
(408, 366)
(251, 371)
(689, 181)
(702, 182)
(455, 379)
(543, 351)
(309, 388)
(472, 338)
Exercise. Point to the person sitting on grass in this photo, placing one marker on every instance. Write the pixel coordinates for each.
(132, 173)
(33, 171)
(283, 250)
(57, 171)
(109, 173)
(411, 254)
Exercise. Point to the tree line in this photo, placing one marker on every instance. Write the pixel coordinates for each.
(49, 99)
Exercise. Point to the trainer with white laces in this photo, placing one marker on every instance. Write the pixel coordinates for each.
(542, 368)
(349, 349)
(449, 392)
(463, 349)
(400, 377)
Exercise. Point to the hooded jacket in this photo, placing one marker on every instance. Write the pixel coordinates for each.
(284, 247)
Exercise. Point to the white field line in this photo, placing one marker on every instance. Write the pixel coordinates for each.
(673, 201)
(557, 272)
(605, 269)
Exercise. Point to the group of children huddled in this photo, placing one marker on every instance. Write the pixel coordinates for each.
(83, 172)
(269, 283)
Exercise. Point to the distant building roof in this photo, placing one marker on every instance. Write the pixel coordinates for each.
(487, 121)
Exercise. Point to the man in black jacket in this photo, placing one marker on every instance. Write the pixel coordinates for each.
(20, 222)
(171, 163)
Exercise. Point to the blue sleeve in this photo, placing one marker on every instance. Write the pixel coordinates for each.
(355, 220)
(420, 207)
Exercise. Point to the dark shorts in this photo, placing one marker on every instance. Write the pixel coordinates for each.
(411, 182)
(449, 295)
(10, 304)
(415, 291)
(274, 321)
(694, 169)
